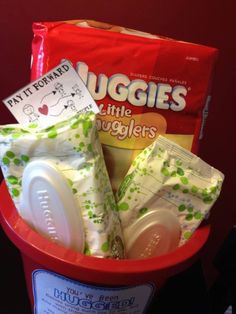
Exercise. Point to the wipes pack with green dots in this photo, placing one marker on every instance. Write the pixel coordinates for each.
(164, 176)
(74, 148)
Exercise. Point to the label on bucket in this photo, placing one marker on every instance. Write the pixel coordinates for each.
(56, 294)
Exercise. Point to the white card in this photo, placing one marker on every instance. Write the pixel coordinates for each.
(53, 97)
(56, 294)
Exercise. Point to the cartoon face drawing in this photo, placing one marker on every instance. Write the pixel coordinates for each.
(71, 105)
(77, 90)
(29, 111)
(59, 88)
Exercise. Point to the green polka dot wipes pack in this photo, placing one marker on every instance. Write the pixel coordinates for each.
(165, 182)
(74, 147)
(165, 176)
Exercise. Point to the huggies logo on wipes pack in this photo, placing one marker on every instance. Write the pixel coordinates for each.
(137, 92)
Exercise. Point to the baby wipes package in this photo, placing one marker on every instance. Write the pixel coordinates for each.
(144, 85)
(60, 186)
(165, 195)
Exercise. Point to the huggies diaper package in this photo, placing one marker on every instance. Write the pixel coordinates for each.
(152, 97)
(170, 182)
(144, 85)
(70, 152)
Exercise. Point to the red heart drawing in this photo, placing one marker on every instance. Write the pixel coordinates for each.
(43, 110)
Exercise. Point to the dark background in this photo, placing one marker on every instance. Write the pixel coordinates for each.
(208, 22)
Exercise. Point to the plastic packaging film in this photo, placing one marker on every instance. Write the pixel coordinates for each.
(72, 151)
(167, 179)
(57, 176)
(144, 85)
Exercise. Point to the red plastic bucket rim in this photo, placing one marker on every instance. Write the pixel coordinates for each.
(37, 247)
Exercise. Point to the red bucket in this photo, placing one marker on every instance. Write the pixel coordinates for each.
(63, 281)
